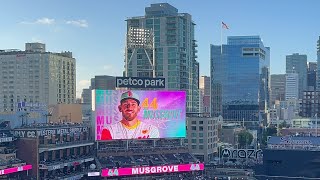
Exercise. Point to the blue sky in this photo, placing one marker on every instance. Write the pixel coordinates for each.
(95, 30)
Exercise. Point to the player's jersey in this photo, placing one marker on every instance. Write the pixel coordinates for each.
(140, 131)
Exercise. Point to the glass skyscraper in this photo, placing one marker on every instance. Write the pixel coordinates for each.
(165, 47)
(240, 79)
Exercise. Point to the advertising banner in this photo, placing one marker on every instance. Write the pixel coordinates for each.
(15, 169)
(128, 114)
(151, 170)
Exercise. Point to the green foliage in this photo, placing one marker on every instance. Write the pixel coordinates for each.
(270, 131)
(244, 138)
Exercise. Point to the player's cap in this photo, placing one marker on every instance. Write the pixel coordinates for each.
(129, 95)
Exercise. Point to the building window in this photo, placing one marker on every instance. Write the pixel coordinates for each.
(201, 147)
(194, 128)
(194, 147)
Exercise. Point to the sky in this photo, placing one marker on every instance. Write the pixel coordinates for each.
(94, 31)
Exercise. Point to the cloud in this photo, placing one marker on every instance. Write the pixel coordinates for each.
(35, 39)
(84, 83)
(80, 23)
(107, 67)
(41, 21)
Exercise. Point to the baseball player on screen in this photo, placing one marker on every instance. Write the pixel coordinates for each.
(130, 127)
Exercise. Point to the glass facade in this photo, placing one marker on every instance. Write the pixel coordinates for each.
(174, 48)
(240, 79)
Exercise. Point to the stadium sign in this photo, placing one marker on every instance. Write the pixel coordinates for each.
(48, 132)
(151, 170)
(140, 82)
(241, 153)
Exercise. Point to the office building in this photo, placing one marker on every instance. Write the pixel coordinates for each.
(310, 105)
(278, 86)
(58, 151)
(297, 63)
(240, 79)
(103, 82)
(202, 137)
(292, 86)
(312, 76)
(204, 88)
(162, 44)
(33, 79)
(318, 62)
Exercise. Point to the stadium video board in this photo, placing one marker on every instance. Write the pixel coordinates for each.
(130, 171)
(133, 114)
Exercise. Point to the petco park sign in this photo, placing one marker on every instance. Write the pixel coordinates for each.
(140, 82)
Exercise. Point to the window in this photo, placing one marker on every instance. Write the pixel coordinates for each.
(194, 128)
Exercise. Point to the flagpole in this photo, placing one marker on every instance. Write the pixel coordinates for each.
(221, 38)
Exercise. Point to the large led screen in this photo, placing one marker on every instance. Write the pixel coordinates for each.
(129, 114)
(151, 170)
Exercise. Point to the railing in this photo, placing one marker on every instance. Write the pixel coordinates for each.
(64, 144)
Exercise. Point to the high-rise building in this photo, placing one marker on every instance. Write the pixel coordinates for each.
(34, 78)
(292, 84)
(204, 88)
(161, 44)
(103, 82)
(240, 79)
(310, 104)
(278, 87)
(297, 63)
(312, 75)
(318, 62)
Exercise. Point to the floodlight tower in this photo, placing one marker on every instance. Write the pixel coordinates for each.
(140, 40)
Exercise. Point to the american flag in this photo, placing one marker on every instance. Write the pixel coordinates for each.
(224, 25)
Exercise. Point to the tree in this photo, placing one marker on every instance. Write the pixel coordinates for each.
(244, 138)
(270, 131)
(284, 125)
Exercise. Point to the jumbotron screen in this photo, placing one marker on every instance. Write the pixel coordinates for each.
(130, 114)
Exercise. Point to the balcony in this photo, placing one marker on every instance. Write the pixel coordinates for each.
(63, 145)
(67, 176)
(53, 165)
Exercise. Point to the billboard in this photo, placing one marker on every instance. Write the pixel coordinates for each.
(140, 82)
(123, 114)
(130, 171)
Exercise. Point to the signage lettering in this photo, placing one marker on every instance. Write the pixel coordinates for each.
(140, 82)
(241, 153)
(48, 132)
(151, 170)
